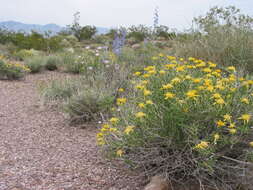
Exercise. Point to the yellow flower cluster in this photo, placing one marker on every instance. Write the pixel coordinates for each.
(14, 65)
(187, 83)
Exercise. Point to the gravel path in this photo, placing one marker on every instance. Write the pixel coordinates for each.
(39, 151)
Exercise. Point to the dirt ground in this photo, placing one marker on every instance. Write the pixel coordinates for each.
(40, 151)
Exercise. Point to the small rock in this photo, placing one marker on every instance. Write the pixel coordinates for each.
(136, 46)
(157, 183)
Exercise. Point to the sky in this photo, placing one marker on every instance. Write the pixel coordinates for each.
(176, 14)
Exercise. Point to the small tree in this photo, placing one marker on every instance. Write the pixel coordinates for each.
(87, 32)
(139, 33)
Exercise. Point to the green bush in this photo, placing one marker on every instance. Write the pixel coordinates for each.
(88, 105)
(24, 54)
(139, 33)
(11, 70)
(60, 89)
(223, 35)
(36, 63)
(187, 119)
(70, 64)
(52, 62)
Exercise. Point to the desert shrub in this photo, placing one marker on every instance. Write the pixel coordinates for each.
(71, 64)
(164, 32)
(59, 90)
(52, 62)
(222, 35)
(97, 93)
(36, 63)
(139, 33)
(88, 105)
(12, 70)
(187, 119)
(24, 54)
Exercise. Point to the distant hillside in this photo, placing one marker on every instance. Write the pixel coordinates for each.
(18, 26)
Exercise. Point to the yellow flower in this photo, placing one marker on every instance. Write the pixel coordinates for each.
(146, 75)
(162, 72)
(121, 90)
(197, 80)
(149, 68)
(171, 57)
(169, 95)
(114, 120)
(201, 87)
(251, 143)
(152, 72)
(191, 59)
(170, 66)
(99, 135)
(146, 92)
(121, 101)
(149, 102)
(181, 68)
(220, 123)
(129, 129)
(137, 73)
(245, 100)
(175, 80)
(192, 94)
(202, 145)
(232, 131)
(140, 115)
(212, 65)
(231, 68)
(188, 77)
(119, 152)
(140, 87)
(216, 138)
(245, 118)
(167, 86)
(113, 129)
(227, 117)
(203, 64)
(216, 95)
(231, 125)
(219, 101)
(141, 105)
(207, 70)
(210, 88)
(106, 126)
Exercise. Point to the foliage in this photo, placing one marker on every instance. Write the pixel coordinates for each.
(71, 64)
(88, 104)
(227, 17)
(34, 40)
(163, 31)
(36, 63)
(24, 54)
(12, 70)
(139, 33)
(81, 33)
(187, 119)
(60, 89)
(52, 62)
(219, 38)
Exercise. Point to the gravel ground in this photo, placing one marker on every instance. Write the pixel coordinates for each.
(39, 151)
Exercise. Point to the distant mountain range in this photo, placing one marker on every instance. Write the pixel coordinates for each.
(53, 28)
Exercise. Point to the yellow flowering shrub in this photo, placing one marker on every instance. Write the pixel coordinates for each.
(193, 120)
(12, 70)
